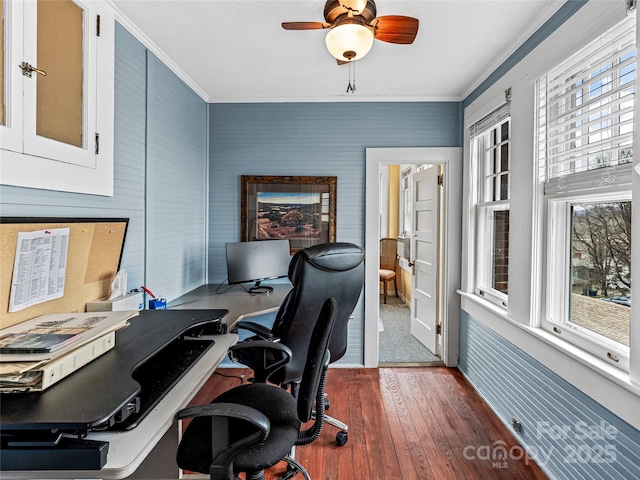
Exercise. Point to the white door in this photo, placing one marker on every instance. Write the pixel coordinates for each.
(425, 254)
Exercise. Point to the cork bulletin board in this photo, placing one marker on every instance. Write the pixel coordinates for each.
(93, 259)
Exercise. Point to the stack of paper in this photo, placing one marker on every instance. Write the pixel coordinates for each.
(31, 361)
(36, 342)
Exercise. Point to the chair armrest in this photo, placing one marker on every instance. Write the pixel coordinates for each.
(230, 410)
(262, 356)
(257, 328)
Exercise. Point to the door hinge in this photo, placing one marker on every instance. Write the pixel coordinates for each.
(441, 179)
(97, 143)
(97, 25)
(438, 329)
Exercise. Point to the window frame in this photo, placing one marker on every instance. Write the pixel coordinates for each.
(556, 315)
(406, 200)
(484, 209)
(558, 192)
(484, 252)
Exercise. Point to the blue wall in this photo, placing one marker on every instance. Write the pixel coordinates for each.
(568, 434)
(313, 139)
(177, 187)
(176, 126)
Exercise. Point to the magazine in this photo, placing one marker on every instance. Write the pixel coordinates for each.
(36, 342)
(83, 326)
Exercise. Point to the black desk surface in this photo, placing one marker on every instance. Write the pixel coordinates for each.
(95, 393)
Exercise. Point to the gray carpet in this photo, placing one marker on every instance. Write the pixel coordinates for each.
(397, 345)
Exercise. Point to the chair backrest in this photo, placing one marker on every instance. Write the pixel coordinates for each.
(317, 273)
(316, 358)
(388, 253)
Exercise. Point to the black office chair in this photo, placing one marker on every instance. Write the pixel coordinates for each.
(252, 427)
(316, 273)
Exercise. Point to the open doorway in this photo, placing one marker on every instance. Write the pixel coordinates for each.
(450, 160)
(410, 313)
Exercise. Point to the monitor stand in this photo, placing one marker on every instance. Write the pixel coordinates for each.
(257, 288)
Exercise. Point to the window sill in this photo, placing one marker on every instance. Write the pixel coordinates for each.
(488, 305)
(594, 379)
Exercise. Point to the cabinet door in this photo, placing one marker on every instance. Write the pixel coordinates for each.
(49, 124)
(11, 75)
(59, 115)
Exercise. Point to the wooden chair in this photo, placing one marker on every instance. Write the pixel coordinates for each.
(388, 260)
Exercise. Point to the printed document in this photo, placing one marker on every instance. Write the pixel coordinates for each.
(39, 267)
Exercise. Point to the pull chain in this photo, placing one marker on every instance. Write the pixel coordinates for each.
(352, 86)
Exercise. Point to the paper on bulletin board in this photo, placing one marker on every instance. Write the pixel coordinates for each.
(39, 267)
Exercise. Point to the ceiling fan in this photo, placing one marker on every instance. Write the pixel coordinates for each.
(353, 27)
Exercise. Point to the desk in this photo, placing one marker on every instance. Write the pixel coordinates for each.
(157, 434)
(241, 304)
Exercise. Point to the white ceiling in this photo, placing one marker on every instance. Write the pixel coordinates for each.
(237, 51)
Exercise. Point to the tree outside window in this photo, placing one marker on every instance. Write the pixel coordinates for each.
(601, 268)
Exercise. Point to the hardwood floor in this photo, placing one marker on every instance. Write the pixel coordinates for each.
(405, 424)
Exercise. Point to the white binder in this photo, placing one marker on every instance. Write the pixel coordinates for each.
(38, 376)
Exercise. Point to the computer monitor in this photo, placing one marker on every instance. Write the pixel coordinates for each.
(257, 261)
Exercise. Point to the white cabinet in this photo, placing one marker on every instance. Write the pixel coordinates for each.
(56, 131)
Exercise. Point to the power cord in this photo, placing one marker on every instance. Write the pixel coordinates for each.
(218, 288)
(239, 377)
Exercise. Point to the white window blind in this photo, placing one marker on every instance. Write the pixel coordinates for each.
(585, 120)
(491, 138)
(495, 117)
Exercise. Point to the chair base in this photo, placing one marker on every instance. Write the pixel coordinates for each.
(343, 435)
(293, 468)
(336, 423)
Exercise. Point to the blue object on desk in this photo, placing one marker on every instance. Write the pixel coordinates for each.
(157, 304)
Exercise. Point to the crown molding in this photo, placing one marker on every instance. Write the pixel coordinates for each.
(545, 15)
(123, 20)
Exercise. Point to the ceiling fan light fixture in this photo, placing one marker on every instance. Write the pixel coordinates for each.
(349, 42)
(356, 6)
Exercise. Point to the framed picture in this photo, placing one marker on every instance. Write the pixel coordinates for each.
(300, 209)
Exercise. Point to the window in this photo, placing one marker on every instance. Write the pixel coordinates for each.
(56, 125)
(405, 201)
(491, 145)
(585, 148)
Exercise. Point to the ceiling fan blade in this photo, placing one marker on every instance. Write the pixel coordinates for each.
(395, 29)
(304, 25)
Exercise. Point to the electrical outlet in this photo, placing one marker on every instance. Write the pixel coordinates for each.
(516, 425)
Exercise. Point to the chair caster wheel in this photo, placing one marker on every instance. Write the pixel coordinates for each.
(326, 404)
(341, 438)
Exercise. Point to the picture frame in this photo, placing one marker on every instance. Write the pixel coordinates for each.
(301, 209)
